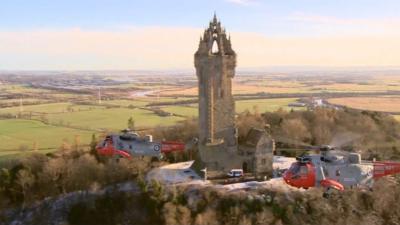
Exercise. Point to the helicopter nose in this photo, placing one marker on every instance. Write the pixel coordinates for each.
(286, 177)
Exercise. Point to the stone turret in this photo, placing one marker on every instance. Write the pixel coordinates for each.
(215, 63)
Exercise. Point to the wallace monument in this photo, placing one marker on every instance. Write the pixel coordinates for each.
(219, 150)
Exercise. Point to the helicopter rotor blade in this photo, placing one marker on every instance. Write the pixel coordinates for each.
(344, 138)
(339, 152)
(292, 142)
(381, 146)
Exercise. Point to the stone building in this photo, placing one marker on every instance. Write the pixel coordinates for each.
(215, 63)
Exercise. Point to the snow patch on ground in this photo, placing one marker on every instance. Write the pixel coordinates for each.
(181, 173)
(282, 162)
(174, 173)
(272, 184)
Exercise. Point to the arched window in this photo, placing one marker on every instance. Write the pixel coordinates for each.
(215, 48)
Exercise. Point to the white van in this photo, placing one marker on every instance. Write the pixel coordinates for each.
(235, 173)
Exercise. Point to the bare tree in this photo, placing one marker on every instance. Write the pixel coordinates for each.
(295, 129)
(25, 179)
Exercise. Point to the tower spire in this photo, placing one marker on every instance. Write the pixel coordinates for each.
(215, 20)
(215, 40)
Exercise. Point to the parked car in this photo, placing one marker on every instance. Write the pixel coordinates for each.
(235, 173)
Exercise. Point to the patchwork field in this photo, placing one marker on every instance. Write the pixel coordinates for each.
(20, 136)
(135, 97)
(290, 87)
(383, 104)
(68, 120)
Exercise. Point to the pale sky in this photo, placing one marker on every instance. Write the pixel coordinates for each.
(164, 34)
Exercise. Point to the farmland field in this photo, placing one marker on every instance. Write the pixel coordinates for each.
(19, 136)
(65, 118)
(25, 100)
(383, 104)
(292, 87)
(263, 105)
(21, 89)
(188, 111)
(111, 119)
(266, 105)
(124, 102)
(49, 108)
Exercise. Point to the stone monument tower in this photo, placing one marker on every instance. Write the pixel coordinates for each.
(219, 152)
(215, 63)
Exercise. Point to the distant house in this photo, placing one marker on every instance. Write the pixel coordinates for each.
(318, 102)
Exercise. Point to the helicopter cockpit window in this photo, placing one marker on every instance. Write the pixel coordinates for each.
(295, 168)
(298, 170)
(303, 170)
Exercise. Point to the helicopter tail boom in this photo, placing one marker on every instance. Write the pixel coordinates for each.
(382, 169)
(172, 146)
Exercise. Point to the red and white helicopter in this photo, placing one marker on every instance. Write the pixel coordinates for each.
(336, 170)
(128, 144)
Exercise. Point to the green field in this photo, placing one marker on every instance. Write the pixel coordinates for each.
(68, 119)
(69, 96)
(24, 100)
(19, 136)
(111, 119)
(188, 111)
(142, 101)
(126, 103)
(264, 105)
(14, 88)
(170, 99)
(49, 108)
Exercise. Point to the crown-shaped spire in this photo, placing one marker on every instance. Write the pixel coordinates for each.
(215, 40)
